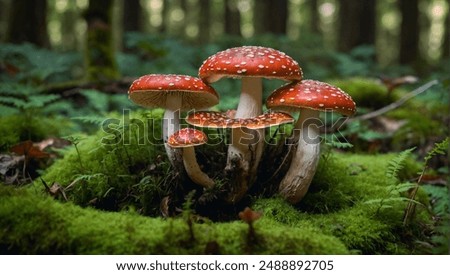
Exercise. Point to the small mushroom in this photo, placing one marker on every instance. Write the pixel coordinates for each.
(174, 93)
(221, 120)
(211, 119)
(187, 138)
(268, 119)
(251, 64)
(310, 97)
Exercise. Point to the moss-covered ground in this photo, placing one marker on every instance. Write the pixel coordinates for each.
(116, 194)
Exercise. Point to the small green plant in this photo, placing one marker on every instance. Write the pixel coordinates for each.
(440, 148)
(394, 191)
(75, 140)
(188, 214)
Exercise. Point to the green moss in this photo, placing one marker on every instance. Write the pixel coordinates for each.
(17, 128)
(352, 199)
(351, 207)
(113, 166)
(336, 217)
(366, 92)
(32, 224)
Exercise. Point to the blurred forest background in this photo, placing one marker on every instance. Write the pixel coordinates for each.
(389, 32)
(79, 57)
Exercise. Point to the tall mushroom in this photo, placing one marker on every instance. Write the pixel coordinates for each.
(174, 93)
(187, 138)
(251, 64)
(310, 97)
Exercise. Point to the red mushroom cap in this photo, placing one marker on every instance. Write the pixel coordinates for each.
(268, 120)
(211, 119)
(221, 120)
(187, 137)
(151, 91)
(250, 61)
(311, 94)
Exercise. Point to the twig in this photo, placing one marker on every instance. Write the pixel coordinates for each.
(397, 103)
(71, 88)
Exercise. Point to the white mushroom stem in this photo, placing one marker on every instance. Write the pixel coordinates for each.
(171, 122)
(193, 169)
(304, 163)
(247, 145)
(250, 101)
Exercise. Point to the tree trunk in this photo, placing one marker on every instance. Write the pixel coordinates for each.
(356, 23)
(277, 16)
(28, 22)
(367, 21)
(232, 18)
(132, 11)
(204, 21)
(270, 16)
(165, 16)
(409, 31)
(68, 28)
(314, 19)
(446, 40)
(100, 54)
(259, 17)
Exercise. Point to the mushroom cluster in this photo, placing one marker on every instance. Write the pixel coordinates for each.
(250, 64)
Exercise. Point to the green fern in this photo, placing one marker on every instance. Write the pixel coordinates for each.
(440, 148)
(332, 141)
(97, 100)
(398, 163)
(394, 192)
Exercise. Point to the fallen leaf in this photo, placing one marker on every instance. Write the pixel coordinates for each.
(28, 150)
(52, 142)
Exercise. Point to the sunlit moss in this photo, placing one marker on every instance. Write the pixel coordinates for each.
(365, 92)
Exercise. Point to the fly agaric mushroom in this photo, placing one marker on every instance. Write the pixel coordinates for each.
(251, 64)
(221, 120)
(187, 138)
(174, 93)
(310, 97)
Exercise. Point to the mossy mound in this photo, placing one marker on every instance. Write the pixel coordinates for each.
(353, 199)
(123, 165)
(366, 92)
(33, 224)
(352, 208)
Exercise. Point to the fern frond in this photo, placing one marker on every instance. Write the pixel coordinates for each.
(332, 141)
(12, 101)
(39, 101)
(440, 148)
(397, 163)
(97, 100)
